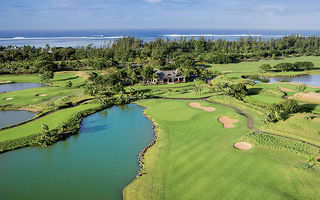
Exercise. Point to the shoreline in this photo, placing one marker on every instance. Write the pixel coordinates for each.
(144, 151)
(153, 142)
(28, 141)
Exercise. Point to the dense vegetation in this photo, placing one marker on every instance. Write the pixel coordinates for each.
(297, 66)
(161, 54)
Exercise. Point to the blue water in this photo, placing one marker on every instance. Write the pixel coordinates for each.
(18, 86)
(11, 117)
(309, 80)
(95, 164)
(100, 37)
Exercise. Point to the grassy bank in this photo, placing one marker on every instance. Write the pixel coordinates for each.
(254, 66)
(26, 135)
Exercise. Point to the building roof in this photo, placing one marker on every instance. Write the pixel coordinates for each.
(168, 74)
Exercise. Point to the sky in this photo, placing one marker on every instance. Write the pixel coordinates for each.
(150, 14)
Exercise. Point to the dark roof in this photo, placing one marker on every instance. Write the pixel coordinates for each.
(169, 74)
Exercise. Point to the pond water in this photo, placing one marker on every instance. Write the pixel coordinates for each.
(309, 80)
(95, 164)
(18, 86)
(8, 118)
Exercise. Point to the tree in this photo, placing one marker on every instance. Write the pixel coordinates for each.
(133, 77)
(46, 76)
(45, 134)
(303, 65)
(69, 84)
(147, 73)
(289, 106)
(285, 67)
(301, 88)
(265, 67)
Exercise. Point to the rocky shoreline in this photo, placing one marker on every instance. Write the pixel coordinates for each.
(142, 153)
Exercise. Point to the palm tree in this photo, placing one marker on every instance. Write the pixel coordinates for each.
(45, 135)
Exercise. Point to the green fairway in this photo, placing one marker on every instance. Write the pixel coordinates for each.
(52, 120)
(194, 159)
(31, 96)
(60, 79)
(254, 66)
(266, 99)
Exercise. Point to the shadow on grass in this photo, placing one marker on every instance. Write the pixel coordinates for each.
(254, 91)
(68, 79)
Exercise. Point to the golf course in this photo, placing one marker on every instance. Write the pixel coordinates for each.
(197, 126)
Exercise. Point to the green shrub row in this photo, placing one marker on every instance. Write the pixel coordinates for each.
(282, 143)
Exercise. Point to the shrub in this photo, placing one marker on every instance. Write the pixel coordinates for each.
(265, 67)
(303, 65)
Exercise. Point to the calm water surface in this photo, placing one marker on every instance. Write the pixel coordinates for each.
(18, 86)
(96, 164)
(309, 80)
(8, 118)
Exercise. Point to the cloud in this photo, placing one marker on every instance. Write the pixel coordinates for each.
(153, 1)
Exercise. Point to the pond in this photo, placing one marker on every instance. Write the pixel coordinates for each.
(18, 86)
(309, 80)
(95, 164)
(8, 118)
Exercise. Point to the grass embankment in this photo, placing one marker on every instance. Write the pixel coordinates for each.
(255, 66)
(194, 159)
(26, 134)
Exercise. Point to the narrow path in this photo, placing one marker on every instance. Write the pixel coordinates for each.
(250, 124)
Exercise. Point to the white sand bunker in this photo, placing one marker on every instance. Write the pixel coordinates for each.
(242, 145)
(197, 105)
(8, 99)
(41, 95)
(5, 81)
(308, 97)
(227, 121)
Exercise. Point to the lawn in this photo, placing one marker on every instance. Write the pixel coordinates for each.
(254, 66)
(52, 120)
(266, 98)
(194, 159)
(60, 79)
(30, 96)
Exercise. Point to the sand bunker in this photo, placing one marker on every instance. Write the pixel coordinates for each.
(7, 99)
(242, 145)
(286, 90)
(311, 97)
(41, 95)
(227, 121)
(197, 105)
(5, 82)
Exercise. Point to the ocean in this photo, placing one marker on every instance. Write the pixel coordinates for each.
(64, 38)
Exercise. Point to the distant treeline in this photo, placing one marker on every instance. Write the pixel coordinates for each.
(163, 54)
(297, 66)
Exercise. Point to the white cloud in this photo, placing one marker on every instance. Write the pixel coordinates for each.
(153, 1)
